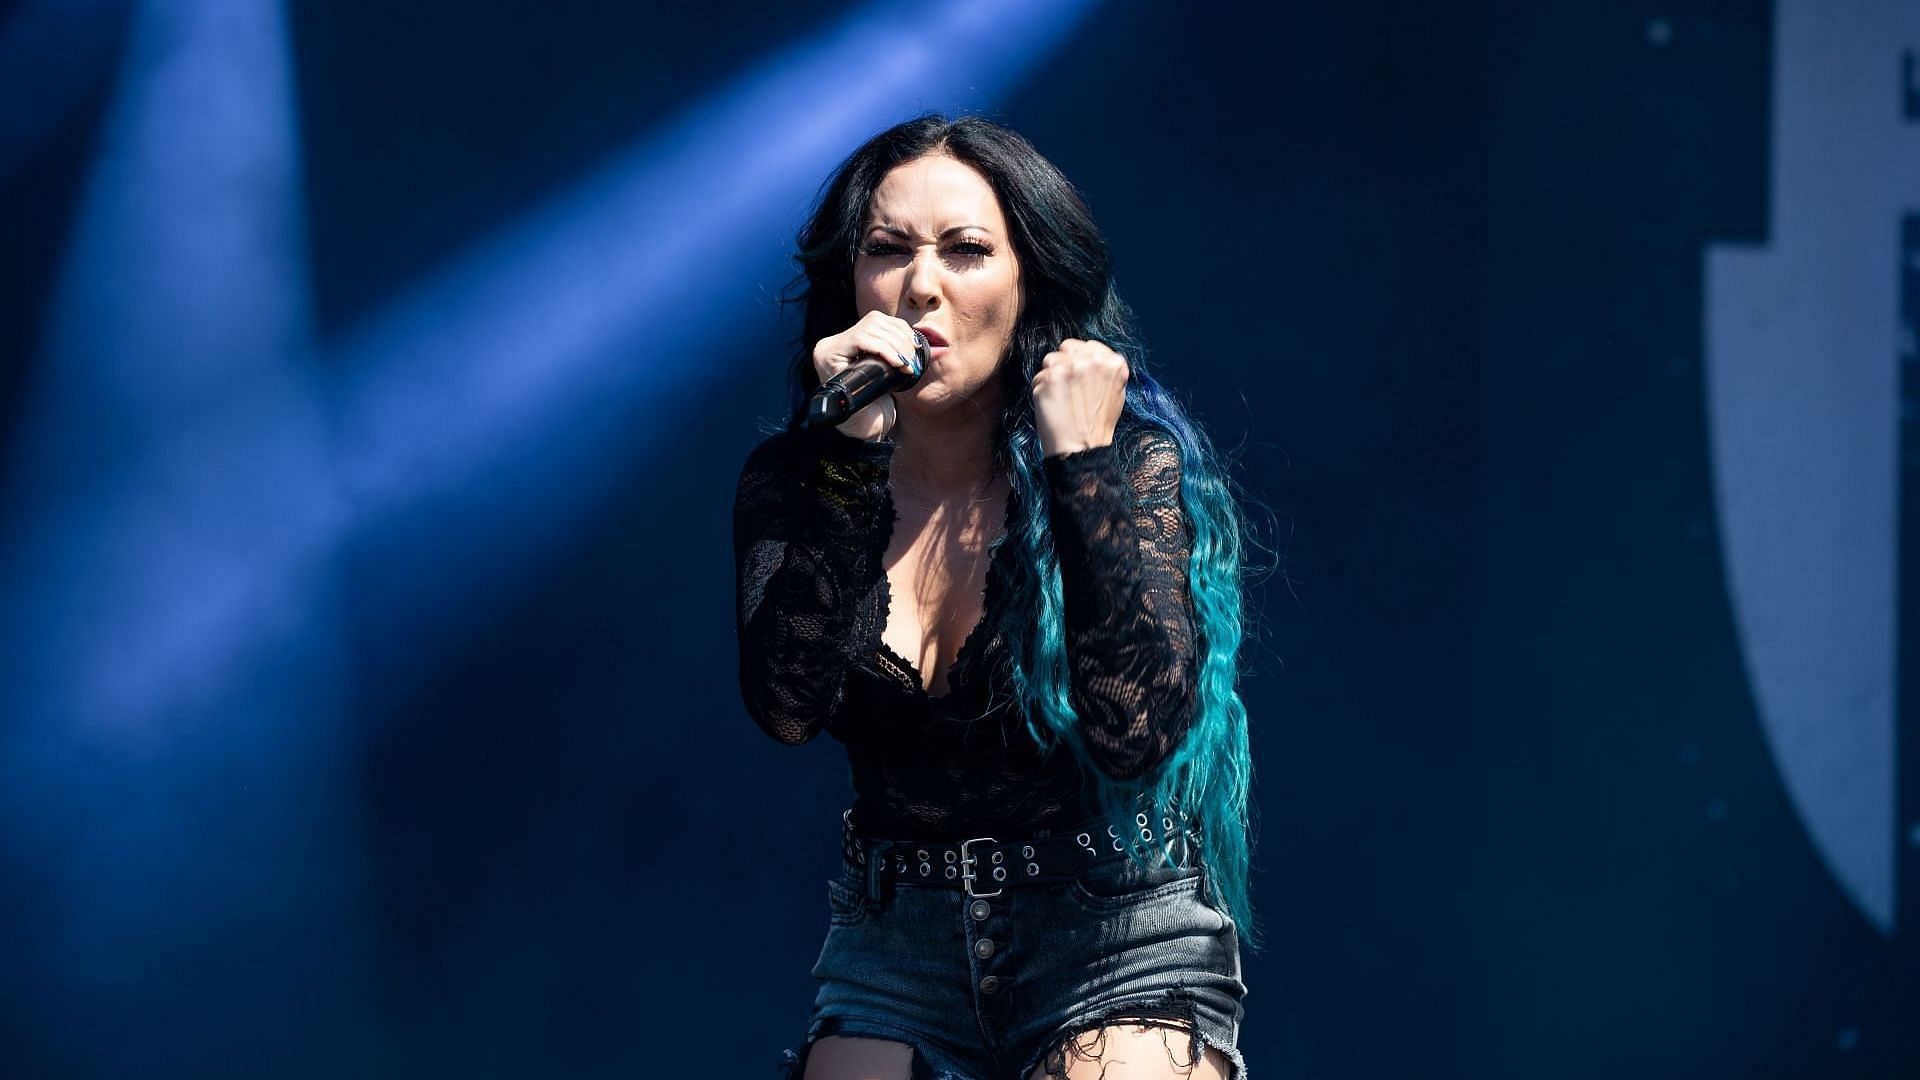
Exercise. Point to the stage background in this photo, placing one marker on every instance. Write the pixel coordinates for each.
(477, 795)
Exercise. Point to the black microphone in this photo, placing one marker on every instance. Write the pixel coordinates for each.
(860, 385)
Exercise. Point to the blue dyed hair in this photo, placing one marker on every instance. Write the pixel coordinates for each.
(1066, 274)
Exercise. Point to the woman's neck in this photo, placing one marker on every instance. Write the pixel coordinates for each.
(944, 458)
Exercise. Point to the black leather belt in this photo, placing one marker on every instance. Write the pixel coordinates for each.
(984, 865)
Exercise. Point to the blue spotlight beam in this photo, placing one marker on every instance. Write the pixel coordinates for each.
(487, 410)
(168, 644)
(170, 458)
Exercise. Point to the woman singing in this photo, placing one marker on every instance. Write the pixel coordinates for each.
(1013, 592)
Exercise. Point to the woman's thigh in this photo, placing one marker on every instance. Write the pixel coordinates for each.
(1120, 1052)
(838, 1057)
(1130, 1052)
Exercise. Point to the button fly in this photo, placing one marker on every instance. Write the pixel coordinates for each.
(983, 948)
(990, 984)
(980, 910)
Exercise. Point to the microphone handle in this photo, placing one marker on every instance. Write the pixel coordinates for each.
(860, 384)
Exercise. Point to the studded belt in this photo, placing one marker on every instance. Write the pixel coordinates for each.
(984, 865)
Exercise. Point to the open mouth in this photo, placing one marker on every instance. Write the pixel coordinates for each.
(934, 338)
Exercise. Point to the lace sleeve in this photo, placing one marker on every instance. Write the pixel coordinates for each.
(805, 541)
(1124, 541)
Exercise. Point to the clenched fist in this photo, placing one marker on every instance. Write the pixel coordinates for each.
(1077, 396)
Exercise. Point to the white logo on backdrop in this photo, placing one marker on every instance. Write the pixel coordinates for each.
(1802, 344)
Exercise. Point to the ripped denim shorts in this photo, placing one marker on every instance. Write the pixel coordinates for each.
(988, 988)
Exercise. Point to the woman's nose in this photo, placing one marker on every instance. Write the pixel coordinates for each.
(923, 280)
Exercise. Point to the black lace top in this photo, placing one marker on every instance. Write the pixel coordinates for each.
(812, 519)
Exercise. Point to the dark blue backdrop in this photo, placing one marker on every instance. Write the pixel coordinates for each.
(1433, 273)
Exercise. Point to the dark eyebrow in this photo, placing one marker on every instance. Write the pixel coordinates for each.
(902, 233)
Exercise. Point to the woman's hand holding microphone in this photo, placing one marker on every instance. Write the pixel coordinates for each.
(877, 334)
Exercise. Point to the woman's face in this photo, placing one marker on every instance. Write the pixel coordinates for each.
(937, 254)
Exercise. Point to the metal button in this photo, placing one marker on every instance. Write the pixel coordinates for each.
(980, 910)
(983, 948)
(989, 984)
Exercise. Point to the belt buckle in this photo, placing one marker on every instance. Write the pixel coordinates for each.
(967, 861)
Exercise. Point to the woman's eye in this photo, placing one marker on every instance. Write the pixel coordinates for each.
(968, 249)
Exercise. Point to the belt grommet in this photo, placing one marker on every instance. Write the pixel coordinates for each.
(922, 852)
(951, 856)
(926, 868)
(1033, 869)
(1026, 851)
(952, 872)
(999, 857)
(999, 873)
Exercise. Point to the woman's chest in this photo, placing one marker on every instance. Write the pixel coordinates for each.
(937, 566)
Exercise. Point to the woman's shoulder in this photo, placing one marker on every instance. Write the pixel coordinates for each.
(788, 449)
(774, 441)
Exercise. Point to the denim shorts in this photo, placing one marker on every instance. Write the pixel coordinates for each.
(992, 987)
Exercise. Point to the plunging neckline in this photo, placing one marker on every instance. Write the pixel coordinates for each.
(969, 643)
